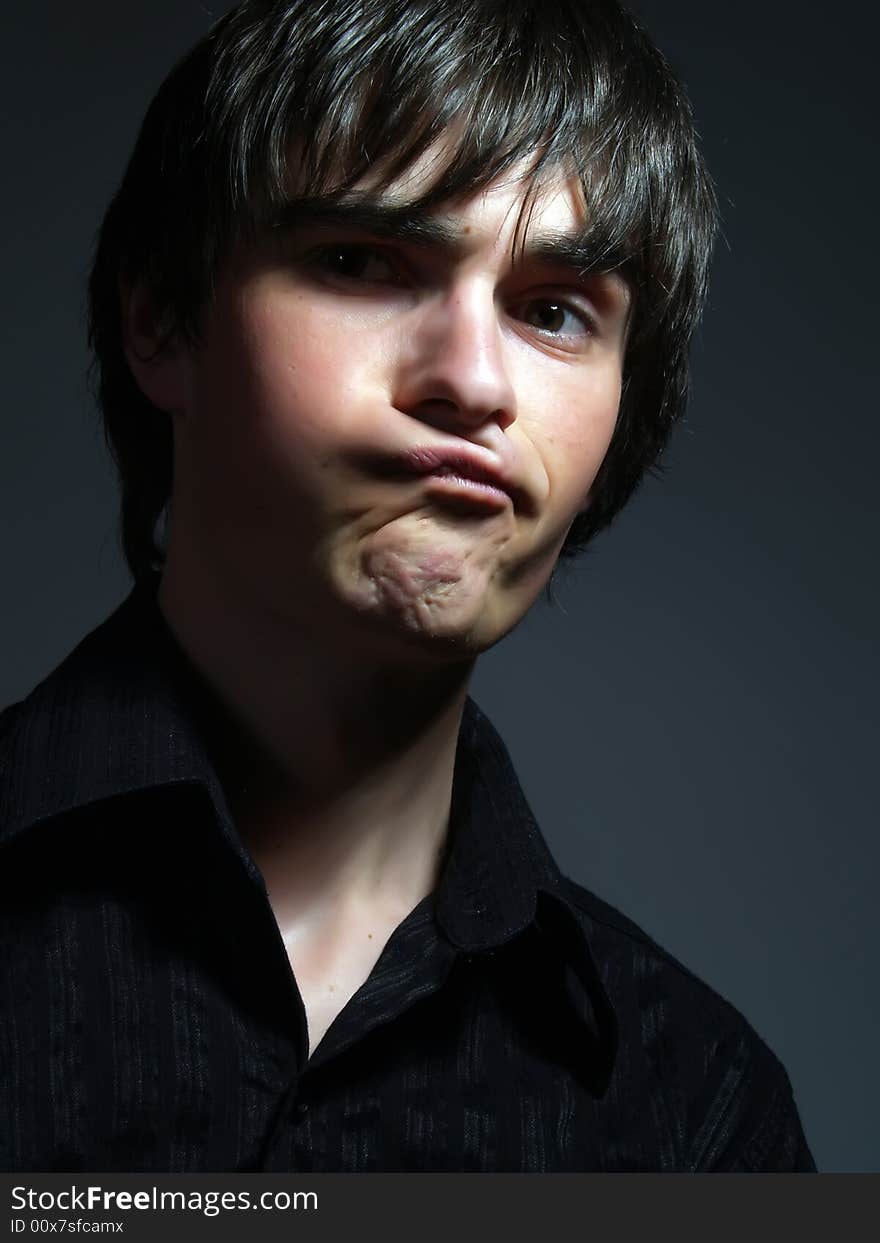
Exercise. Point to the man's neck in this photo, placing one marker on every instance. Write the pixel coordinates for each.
(337, 768)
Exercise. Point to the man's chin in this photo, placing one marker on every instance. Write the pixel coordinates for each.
(452, 627)
(454, 621)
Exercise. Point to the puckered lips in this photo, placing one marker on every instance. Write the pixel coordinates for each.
(464, 475)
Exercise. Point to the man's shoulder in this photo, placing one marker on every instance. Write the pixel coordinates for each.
(32, 715)
(637, 968)
(11, 719)
(619, 940)
(118, 715)
(8, 717)
(38, 741)
(734, 1092)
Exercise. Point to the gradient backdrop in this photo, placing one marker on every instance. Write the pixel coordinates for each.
(696, 726)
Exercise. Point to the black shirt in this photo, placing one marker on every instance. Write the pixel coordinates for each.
(150, 1020)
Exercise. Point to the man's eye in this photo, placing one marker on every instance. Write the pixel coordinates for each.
(555, 317)
(356, 263)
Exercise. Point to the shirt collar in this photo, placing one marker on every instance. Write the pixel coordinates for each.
(124, 712)
(117, 715)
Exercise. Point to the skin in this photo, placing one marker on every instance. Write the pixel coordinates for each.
(337, 612)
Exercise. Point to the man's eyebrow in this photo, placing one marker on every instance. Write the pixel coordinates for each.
(579, 254)
(416, 226)
(396, 222)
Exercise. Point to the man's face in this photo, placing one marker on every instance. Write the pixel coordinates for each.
(355, 373)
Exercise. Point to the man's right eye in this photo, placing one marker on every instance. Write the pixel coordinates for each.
(355, 263)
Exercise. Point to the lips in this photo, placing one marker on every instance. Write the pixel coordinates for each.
(461, 467)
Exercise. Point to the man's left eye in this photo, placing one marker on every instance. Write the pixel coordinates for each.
(555, 317)
(356, 263)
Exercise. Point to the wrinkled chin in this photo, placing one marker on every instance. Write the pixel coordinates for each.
(427, 584)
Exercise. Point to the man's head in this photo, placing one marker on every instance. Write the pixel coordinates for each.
(512, 116)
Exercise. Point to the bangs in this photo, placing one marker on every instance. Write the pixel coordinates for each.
(486, 86)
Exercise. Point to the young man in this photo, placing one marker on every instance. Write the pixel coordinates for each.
(390, 313)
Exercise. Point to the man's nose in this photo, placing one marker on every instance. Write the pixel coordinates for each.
(453, 372)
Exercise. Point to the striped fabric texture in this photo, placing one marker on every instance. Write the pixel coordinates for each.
(150, 1019)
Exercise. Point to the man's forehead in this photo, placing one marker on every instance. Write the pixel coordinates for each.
(553, 191)
(541, 210)
(549, 189)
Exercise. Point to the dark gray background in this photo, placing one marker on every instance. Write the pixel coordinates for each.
(696, 725)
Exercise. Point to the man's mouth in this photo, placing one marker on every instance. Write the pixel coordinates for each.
(445, 481)
(465, 471)
(460, 474)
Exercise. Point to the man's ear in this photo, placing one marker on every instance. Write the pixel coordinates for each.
(159, 360)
